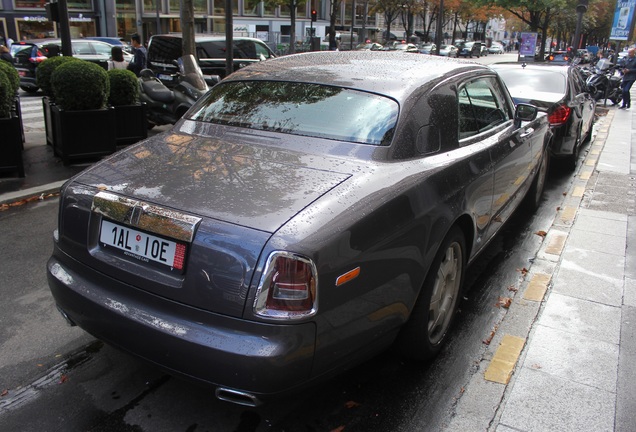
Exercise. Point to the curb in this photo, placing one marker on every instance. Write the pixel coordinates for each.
(481, 405)
(37, 191)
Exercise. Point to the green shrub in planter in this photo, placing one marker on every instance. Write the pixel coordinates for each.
(12, 74)
(6, 96)
(124, 87)
(46, 69)
(80, 85)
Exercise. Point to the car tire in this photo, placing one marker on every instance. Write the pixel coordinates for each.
(424, 334)
(533, 198)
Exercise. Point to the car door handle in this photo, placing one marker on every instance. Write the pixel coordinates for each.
(526, 133)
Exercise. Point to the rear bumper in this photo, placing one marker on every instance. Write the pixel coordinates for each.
(258, 358)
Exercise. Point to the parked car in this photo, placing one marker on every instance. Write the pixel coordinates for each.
(469, 49)
(496, 48)
(428, 48)
(406, 47)
(561, 92)
(164, 50)
(371, 46)
(448, 51)
(125, 45)
(274, 237)
(559, 57)
(484, 49)
(29, 54)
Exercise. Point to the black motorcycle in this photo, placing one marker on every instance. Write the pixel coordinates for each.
(605, 82)
(166, 106)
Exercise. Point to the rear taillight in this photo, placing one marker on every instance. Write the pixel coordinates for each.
(559, 115)
(288, 288)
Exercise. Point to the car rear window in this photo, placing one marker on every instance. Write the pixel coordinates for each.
(528, 81)
(301, 109)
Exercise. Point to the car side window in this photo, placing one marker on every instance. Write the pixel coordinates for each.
(82, 48)
(481, 107)
(102, 49)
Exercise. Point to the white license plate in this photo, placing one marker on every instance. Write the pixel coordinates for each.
(143, 246)
(165, 77)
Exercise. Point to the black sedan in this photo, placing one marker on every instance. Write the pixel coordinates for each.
(275, 236)
(561, 92)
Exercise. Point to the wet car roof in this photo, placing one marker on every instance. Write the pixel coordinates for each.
(394, 74)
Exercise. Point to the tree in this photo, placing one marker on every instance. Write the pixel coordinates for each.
(391, 10)
(292, 5)
(187, 27)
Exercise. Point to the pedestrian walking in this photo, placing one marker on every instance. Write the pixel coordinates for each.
(5, 54)
(629, 76)
(140, 54)
(117, 59)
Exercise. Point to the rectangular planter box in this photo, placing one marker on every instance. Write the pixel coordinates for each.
(83, 135)
(11, 149)
(131, 122)
(48, 123)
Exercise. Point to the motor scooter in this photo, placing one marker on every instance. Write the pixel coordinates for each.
(605, 82)
(164, 105)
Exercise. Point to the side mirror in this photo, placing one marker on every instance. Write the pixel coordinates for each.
(525, 113)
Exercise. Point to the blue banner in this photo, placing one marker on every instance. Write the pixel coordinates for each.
(623, 18)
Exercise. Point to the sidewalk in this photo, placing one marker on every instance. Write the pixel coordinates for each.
(564, 356)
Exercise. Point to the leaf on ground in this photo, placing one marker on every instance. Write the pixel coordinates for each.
(63, 379)
(504, 302)
(352, 404)
(513, 288)
(24, 201)
(4, 392)
(492, 335)
(523, 271)
(541, 233)
(338, 429)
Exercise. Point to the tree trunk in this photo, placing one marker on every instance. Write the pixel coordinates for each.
(187, 27)
(292, 30)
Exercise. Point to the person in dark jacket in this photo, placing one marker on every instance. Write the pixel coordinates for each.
(629, 76)
(139, 58)
(5, 54)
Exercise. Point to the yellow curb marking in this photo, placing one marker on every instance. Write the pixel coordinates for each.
(595, 151)
(578, 191)
(555, 245)
(568, 214)
(590, 162)
(501, 366)
(585, 175)
(537, 287)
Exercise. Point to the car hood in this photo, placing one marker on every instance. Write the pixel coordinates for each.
(229, 177)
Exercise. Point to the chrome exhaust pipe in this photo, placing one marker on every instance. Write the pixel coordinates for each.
(237, 397)
(68, 319)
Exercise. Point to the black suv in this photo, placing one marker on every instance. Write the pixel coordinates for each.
(29, 54)
(469, 49)
(164, 50)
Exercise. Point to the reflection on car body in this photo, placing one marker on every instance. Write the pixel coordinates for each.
(274, 236)
(561, 92)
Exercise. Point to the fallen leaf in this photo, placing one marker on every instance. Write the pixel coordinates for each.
(462, 390)
(338, 429)
(504, 302)
(513, 288)
(558, 208)
(541, 233)
(63, 379)
(565, 194)
(352, 404)
(4, 392)
(523, 271)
